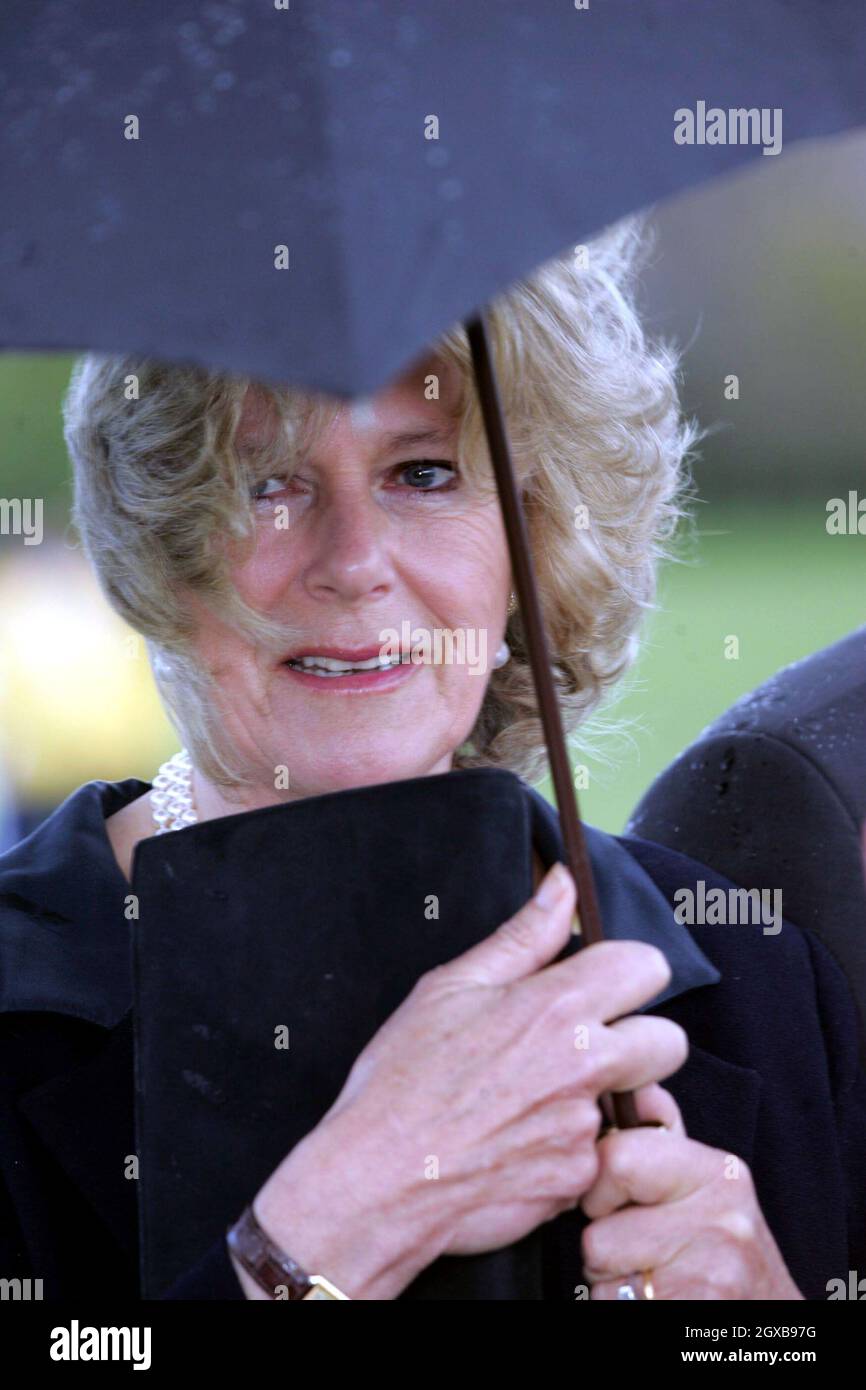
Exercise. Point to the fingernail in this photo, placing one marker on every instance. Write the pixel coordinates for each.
(552, 887)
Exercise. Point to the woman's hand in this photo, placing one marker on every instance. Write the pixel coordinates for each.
(471, 1117)
(682, 1211)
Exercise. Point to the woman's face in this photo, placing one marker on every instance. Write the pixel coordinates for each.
(373, 535)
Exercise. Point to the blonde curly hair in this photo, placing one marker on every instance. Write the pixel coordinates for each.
(599, 447)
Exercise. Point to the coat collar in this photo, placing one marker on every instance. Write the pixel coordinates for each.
(632, 907)
(65, 943)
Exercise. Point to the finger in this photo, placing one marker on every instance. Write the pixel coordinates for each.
(656, 1105)
(647, 1167)
(635, 1238)
(527, 941)
(636, 1051)
(704, 1269)
(609, 978)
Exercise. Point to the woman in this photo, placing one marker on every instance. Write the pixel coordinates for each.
(264, 542)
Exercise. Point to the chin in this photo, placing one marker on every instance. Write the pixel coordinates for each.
(364, 770)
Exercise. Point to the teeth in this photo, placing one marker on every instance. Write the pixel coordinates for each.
(333, 663)
(332, 666)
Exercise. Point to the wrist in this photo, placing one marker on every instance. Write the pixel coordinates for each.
(318, 1206)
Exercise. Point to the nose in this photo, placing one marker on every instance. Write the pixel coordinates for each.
(351, 558)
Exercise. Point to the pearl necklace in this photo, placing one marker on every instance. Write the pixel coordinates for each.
(171, 798)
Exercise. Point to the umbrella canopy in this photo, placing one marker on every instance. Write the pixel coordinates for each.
(312, 193)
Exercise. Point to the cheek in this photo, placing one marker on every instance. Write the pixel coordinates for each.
(478, 564)
(226, 654)
(261, 579)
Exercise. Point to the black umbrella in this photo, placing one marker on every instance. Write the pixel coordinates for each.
(313, 195)
(412, 159)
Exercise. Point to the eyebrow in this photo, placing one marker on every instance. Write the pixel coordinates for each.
(407, 439)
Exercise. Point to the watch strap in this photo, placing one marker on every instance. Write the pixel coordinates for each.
(271, 1267)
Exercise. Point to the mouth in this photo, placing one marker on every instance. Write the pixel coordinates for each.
(330, 662)
(343, 669)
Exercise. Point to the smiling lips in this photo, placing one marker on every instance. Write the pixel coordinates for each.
(336, 661)
(356, 670)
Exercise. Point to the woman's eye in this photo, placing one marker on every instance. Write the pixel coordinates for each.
(422, 475)
(260, 492)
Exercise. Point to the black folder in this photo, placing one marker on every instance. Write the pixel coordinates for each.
(307, 922)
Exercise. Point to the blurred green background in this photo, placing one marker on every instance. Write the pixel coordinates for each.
(761, 275)
(771, 577)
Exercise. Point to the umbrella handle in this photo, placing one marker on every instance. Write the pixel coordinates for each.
(576, 854)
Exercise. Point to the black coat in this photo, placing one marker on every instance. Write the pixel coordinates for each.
(796, 741)
(772, 1075)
